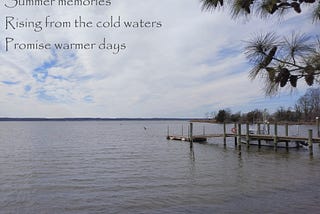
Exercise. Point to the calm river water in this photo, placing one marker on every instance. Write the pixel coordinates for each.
(130, 167)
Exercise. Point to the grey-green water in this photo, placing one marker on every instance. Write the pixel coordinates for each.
(121, 167)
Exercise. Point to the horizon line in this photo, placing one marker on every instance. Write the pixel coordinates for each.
(91, 118)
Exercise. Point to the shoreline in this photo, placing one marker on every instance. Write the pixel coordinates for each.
(279, 122)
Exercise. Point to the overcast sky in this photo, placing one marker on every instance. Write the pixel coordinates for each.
(192, 64)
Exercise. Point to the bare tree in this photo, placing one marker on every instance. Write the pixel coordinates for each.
(309, 104)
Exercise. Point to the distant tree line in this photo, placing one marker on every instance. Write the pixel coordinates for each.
(306, 109)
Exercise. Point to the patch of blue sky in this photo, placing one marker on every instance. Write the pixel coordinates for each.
(42, 72)
(68, 59)
(27, 88)
(274, 103)
(88, 99)
(42, 95)
(229, 51)
(48, 64)
(40, 75)
(235, 70)
(223, 54)
(6, 82)
(81, 78)
(58, 77)
(58, 95)
(212, 60)
(304, 18)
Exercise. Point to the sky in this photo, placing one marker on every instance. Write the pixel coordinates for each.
(193, 63)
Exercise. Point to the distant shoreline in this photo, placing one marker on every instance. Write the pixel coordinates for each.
(192, 120)
(93, 119)
(278, 122)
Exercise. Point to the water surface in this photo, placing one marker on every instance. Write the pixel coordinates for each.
(130, 167)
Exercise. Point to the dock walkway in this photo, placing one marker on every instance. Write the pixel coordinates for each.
(203, 138)
(248, 137)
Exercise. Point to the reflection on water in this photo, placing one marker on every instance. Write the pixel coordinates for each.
(123, 167)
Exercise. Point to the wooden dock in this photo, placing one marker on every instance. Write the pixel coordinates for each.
(248, 137)
(204, 138)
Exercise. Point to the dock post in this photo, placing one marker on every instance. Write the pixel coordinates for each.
(235, 134)
(224, 134)
(259, 132)
(204, 130)
(287, 134)
(168, 131)
(191, 136)
(239, 136)
(247, 135)
(268, 128)
(310, 142)
(318, 128)
(258, 128)
(275, 138)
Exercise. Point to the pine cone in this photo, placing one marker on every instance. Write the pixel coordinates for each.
(285, 74)
(271, 73)
(293, 80)
(296, 7)
(309, 79)
(309, 71)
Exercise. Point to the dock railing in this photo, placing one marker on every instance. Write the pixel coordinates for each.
(249, 136)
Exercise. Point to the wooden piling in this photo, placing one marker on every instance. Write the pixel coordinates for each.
(247, 135)
(235, 134)
(204, 130)
(318, 127)
(268, 128)
(239, 136)
(191, 136)
(259, 132)
(224, 134)
(287, 134)
(310, 142)
(275, 137)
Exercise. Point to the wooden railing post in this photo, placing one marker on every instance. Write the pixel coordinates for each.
(287, 134)
(224, 134)
(310, 142)
(275, 138)
(239, 136)
(191, 135)
(235, 134)
(259, 132)
(247, 135)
